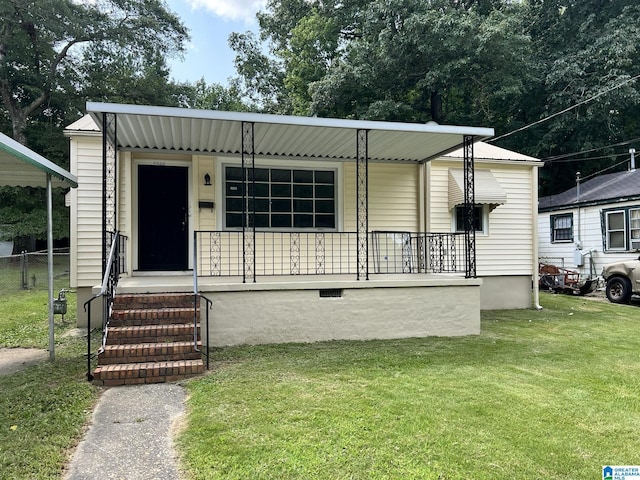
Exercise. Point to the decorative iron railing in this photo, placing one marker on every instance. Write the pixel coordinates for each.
(220, 253)
(115, 265)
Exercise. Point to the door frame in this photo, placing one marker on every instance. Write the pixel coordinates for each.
(135, 244)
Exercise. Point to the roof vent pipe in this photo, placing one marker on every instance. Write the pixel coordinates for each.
(632, 152)
(577, 186)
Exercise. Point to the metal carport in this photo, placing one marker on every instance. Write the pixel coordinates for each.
(22, 167)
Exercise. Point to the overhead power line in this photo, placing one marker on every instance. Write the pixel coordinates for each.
(542, 120)
(566, 155)
(603, 170)
(599, 157)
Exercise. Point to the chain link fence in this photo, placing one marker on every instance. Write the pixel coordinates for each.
(29, 271)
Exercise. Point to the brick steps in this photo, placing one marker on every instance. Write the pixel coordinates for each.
(150, 340)
(178, 332)
(156, 316)
(148, 372)
(149, 352)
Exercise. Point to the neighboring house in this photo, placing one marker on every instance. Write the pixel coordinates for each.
(597, 223)
(304, 229)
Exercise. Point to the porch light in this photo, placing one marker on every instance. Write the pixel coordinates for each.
(207, 179)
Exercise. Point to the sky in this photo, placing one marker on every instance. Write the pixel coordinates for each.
(210, 22)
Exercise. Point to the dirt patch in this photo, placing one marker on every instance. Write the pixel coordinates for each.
(15, 359)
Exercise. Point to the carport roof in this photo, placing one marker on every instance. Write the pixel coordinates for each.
(22, 167)
(181, 130)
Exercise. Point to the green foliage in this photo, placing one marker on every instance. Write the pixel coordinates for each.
(43, 408)
(42, 42)
(497, 63)
(539, 394)
(23, 212)
(54, 56)
(215, 97)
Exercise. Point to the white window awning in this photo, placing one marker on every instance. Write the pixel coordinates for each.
(487, 189)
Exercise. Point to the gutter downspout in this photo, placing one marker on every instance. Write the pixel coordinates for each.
(534, 236)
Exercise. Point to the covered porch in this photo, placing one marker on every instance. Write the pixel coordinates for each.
(336, 270)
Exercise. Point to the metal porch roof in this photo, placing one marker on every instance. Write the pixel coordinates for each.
(22, 167)
(175, 130)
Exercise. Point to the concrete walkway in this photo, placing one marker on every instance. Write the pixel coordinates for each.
(130, 435)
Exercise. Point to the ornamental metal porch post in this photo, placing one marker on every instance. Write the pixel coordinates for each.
(362, 207)
(109, 183)
(109, 193)
(469, 207)
(248, 203)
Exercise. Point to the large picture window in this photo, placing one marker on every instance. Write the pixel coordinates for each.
(562, 228)
(284, 198)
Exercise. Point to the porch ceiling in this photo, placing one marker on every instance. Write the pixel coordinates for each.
(176, 130)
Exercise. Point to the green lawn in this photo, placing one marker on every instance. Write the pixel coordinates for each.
(550, 394)
(553, 394)
(44, 408)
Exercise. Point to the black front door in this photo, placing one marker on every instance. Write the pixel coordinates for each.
(163, 225)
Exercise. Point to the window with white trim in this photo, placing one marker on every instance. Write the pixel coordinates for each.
(634, 228)
(615, 223)
(478, 218)
(562, 228)
(285, 198)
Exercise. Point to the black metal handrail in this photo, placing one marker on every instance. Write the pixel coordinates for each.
(197, 298)
(220, 253)
(114, 267)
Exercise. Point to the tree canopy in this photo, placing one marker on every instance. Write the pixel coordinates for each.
(499, 63)
(557, 79)
(55, 55)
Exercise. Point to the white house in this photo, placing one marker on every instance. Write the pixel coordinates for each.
(304, 229)
(596, 223)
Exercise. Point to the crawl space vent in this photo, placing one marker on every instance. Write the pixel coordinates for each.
(331, 293)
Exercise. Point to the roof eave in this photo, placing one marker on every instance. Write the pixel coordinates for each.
(96, 108)
(37, 161)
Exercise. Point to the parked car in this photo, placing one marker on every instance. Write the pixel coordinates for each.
(623, 280)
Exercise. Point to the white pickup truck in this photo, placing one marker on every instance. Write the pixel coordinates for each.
(623, 280)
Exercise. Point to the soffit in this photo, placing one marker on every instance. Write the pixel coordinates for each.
(175, 130)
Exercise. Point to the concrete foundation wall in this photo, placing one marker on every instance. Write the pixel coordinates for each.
(503, 292)
(280, 316)
(84, 294)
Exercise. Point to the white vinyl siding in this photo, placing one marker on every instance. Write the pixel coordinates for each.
(507, 246)
(588, 225)
(393, 197)
(86, 240)
(206, 217)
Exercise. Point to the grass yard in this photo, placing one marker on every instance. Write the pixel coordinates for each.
(44, 408)
(553, 394)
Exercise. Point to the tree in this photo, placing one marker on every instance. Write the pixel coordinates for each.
(411, 60)
(41, 45)
(54, 55)
(588, 53)
(215, 97)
